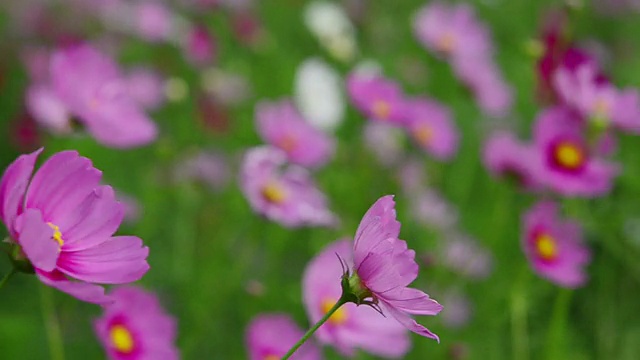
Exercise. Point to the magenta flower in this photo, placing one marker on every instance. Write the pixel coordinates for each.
(384, 267)
(350, 327)
(451, 30)
(199, 46)
(281, 125)
(554, 247)
(63, 220)
(505, 156)
(270, 336)
(92, 88)
(285, 195)
(566, 163)
(432, 128)
(378, 98)
(136, 327)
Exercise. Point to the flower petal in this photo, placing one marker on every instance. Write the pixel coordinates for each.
(36, 240)
(81, 290)
(408, 322)
(14, 186)
(413, 301)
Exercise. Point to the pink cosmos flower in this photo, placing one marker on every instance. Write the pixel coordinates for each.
(452, 30)
(596, 100)
(458, 311)
(350, 327)
(464, 255)
(281, 125)
(285, 195)
(146, 87)
(64, 220)
(430, 125)
(554, 247)
(505, 156)
(91, 87)
(136, 327)
(154, 20)
(384, 267)
(386, 142)
(566, 163)
(47, 109)
(378, 98)
(200, 46)
(208, 167)
(270, 336)
(493, 95)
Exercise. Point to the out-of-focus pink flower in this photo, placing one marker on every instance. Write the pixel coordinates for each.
(458, 311)
(247, 27)
(384, 267)
(200, 46)
(47, 108)
(136, 326)
(505, 156)
(465, 256)
(130, 207)
(377, 98)
(91, 86)
(430, 208)
(285, 195)
(599, 102)
(208, 167)
(566, 163)
(281, 125)
(64, 220)
(350, 327)
(553, 246)
(146, 87)
(452, 30)
(270, 336)
(154, 20)
(385, 141)
(431, 126)
(23, 133)
(493, 95)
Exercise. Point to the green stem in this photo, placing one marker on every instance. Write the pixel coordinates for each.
(315, 327)
(7, 277)
(52, 326)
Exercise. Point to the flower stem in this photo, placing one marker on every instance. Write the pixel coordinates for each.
(7, 277)
(54, 335)
(315, 327)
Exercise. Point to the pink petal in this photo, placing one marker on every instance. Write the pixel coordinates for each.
(36, 240)
(121, 259)
(408, 322)
(412, 301)
(83, 291)
(13, 187)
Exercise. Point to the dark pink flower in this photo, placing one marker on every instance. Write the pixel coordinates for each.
(136, 327)
(91, 87)
(505, 156)
(281, 125)
(377, 98)
(351, 327)
(431, 126)
(553, 246)
(384, 267)
(63, 220)
(566, 162)
(285, 195)
(270, 336)
(200, 46)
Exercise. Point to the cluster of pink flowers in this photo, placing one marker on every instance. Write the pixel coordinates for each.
(454, 33)
(427, 122)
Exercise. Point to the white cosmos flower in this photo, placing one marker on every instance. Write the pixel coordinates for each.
(331, 25)
(319, 94)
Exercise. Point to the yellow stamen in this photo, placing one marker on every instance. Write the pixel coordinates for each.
(57, 235)
(381, 109)
(339, 317)
(273, 192)
(546, 247)
(447, 43)
(569, 155)
(121, 339)
(423, 133)
(271, 357)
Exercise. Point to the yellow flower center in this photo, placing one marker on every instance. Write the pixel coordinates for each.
(447, 43)
(273, 192)
(569, 156)
(381, 109)
(339, 317)
(121, 339)
(423, 133)
(57, 235)
(546, 247)
(271, 357)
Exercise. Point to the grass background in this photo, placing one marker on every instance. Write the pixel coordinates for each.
(207, 246)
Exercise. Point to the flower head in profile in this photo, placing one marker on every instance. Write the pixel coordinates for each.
(350, 327)
(136, 326)
(377, 98)
(566, 162)
(282, 126)
(61, 221)
(286, 195)
(553, 246)
(505, 156)
(431, 126)
(384, 267)
(269, 337)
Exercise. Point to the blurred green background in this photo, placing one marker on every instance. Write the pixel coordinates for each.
(207, 247)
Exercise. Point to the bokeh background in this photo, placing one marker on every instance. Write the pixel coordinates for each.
(215, 264)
